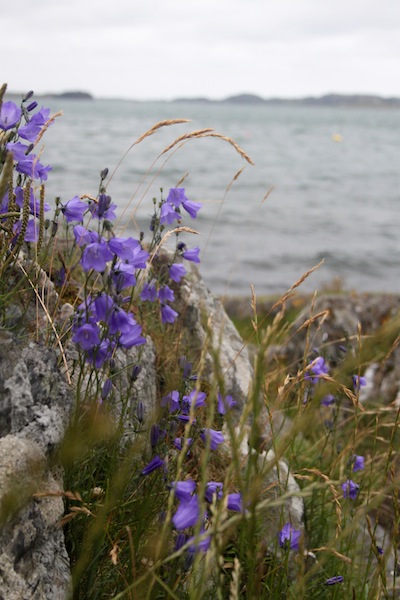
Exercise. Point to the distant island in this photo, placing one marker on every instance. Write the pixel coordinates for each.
(330, 100)
(334, 100)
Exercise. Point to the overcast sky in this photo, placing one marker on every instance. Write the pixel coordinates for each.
(152, 49)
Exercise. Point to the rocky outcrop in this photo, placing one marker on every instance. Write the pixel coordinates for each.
(35, 406)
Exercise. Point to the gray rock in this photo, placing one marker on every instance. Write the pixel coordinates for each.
(35, 406)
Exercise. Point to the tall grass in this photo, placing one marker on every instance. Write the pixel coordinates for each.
(287, 460)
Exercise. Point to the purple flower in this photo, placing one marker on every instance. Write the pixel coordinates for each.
(168, 214)
(119, 320)
(132, 337)
(214, 488)
(165, 294)
(84, 236)
(176, 272)
(328, 400)
(31, 130)
(187, 514)
(224, 404)
(87, 336)
(234, 502)
(178, 443)
(316, 370)
(289, 537)
(168, 314)
(334, 580)
(123, 247)
(171, 400)
(103, 208)
(96, 256)
(180, 541)
(103, 305)
(154, 435)
(34, 204)
(74, 209)
(192, 255)
(100, 354)
(10, 114)
(192, 208)
(199, 399)
(149, 292)
(358, 463)
(358, 382)
(123, 276)
(106, 389)
(176, 196)
(32, 230)
(27, 164)
(184, 489)
(350, 489)
(199, 546)
(214, 436)
(154, 464)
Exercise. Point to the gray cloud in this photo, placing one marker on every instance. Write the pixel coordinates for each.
(161, 48)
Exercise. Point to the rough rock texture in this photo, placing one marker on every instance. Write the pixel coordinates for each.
(35, 406)
(209, 329)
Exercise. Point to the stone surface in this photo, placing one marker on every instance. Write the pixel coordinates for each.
(35, 406)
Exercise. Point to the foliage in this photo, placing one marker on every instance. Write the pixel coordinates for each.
(169, 505)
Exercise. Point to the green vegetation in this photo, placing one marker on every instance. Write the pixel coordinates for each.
(174, 487)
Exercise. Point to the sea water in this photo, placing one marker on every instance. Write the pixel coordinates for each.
(325, 185)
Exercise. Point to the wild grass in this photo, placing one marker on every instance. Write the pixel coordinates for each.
(287, 452)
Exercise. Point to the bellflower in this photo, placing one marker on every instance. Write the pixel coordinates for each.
(74, 209)
(84, 236)
(225, 404)
(235, 502)
(31, 130)
(289, 537)
(171, 400)
(176, 272)
(96, 256)
(358, 382)
(168, 214)
(103, 208)
(213, 488)
(199, 399)
(10, 114)
(123, 247)
(176, 196)
(34, 204)
(123, 276)
(133, 337)
(32, 230)
(149, 292)
(192, 208)
(168, 314)
(154, 464)
(328, 400)
(214, 436)
(316, 370)
(350, 489)
(100, 354)
(184, 489)
(103, 305)
(192, 255)
(87, 336)
(334, 580)
(202, 545)
(188, 513)
(165, 294)
(358, 463)
(178, 443)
